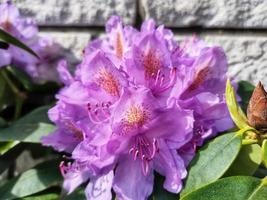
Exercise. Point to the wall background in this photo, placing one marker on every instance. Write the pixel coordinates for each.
(239, 26)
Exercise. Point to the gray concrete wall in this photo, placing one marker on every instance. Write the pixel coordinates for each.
(239, 26)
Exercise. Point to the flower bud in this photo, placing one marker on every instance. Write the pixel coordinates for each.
(257, 108)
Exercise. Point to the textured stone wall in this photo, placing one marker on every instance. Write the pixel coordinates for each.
(239, 26)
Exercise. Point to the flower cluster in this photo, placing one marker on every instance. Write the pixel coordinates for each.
(139, 102)
(26, 31)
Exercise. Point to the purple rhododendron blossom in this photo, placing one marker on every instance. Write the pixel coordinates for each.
(25, 30)
(138, 103)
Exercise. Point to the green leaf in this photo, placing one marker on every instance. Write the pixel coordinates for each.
(212, 161)
(3, 45)
(159, 193)
(29, 128)
(236, 112)
(24, 78)
(3, 123)
(231, 188)
(29, 85)
(247, 161)
(6, 96)
(245, 90)
(6, 146)
(31, 181)
(264, 152)
(78, 194)
(6, 37)
(52, 196)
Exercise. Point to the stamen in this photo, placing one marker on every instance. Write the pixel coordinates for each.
(145, 150)
(99, 113)
(62, 168)
(169, 84)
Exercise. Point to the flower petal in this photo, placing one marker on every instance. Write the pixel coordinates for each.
(130, 182)
(100, 188)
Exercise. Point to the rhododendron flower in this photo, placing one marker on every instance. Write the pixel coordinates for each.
(138, 103)
(26, 31)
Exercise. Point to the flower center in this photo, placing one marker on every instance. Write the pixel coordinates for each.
(151, 64)
(136, 115)
(108, 82)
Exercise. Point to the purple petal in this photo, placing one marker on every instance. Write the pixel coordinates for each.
(5, 58)
(100, 188)
(133, 185)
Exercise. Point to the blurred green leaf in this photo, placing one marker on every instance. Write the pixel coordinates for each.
(159, 193)
(31, 181)
(3, 45)
(245, 90)
(6, 96)
(52, 196)
(212, 161)
(264, 152)
(28, 83)
(29, 128)
(23, 77)
(3, 123)
(231, 188)
(247, 161)
(6, 37)
(78, 194)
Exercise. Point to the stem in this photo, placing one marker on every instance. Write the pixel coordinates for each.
(19, 96)
(13, 87)
(249, 141)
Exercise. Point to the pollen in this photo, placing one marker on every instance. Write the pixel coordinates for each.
(108, 82)
(136, 115)
(77, 132)
(119, 46)
(151, 64)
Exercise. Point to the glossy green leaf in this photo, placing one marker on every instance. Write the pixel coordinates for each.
(231, 188)
(52, 196)
(31, 181)
(29, 128)
(245, 90)
(236, 112)
(6, 146)
(247, 161)
(6, 37)
(212, 161)
(264, 153)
